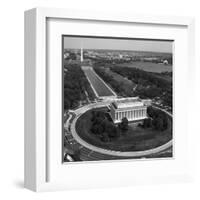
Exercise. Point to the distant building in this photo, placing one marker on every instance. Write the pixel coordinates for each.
(165, 62)
(66, 55)
(132, 108)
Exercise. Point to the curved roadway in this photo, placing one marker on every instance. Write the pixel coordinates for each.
(129, 154)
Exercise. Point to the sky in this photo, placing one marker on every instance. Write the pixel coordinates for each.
(118, 44)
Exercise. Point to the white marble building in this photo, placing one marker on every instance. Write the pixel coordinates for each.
(133, 108)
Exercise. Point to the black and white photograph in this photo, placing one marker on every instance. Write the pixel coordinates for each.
(117, 98)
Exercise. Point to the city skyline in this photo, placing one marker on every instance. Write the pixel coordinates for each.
(118, 44)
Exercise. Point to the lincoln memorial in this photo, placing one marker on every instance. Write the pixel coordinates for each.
(133, 108)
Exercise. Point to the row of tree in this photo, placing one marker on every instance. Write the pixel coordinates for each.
(157, 119)
(152, 84)
(137, 75)
(75, 85)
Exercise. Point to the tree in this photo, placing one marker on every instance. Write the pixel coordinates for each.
(159, 119)
(110, 129)
(124, 124)
(147, 123)
(151, 112)
(158, 123)
(66, 104)
(72, 56)
(97, 129)
(102, 126)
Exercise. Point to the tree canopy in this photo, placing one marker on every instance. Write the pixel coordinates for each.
(102, 126)
(124, 124)
(75, 85)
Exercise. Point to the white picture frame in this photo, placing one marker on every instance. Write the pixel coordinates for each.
(39, 165)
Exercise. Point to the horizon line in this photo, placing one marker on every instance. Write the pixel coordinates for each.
(122, 50)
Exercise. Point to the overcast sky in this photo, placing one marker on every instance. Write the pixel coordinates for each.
(118, 44)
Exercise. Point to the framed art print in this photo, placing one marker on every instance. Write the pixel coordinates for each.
(117, 98)
(104, 99)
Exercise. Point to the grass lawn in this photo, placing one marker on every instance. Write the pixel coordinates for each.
(126, 84)
(148, 66)
(135, 139)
